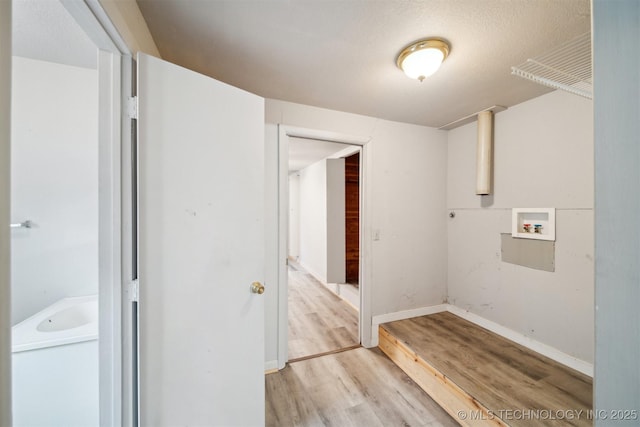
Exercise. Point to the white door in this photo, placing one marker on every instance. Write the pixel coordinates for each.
(201, 243)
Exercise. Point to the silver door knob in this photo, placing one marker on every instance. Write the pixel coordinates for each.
(257, 288)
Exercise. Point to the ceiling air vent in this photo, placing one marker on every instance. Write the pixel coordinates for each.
(568, 67)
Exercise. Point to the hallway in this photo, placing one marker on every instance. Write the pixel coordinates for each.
(359, 387)
(319, 321)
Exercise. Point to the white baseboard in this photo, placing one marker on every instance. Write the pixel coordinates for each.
(352, 299)
(401, 315)
(350, 294)
(270, 366)
(541, 348)
(312, 272)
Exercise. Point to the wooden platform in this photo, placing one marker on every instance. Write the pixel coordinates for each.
(481, 378)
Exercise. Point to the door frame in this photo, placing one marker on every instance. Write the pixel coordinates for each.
(116, 381)
(365, 317)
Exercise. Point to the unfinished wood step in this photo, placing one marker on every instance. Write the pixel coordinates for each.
(483, 379)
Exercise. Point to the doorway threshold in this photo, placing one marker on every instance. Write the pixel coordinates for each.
(326, 353)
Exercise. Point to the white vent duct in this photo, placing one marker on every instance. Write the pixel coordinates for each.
(568, 67)
(484, 153)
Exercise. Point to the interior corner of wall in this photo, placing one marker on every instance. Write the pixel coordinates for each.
(128, 20)
(273, 111)
(373, 342)
(271, 366)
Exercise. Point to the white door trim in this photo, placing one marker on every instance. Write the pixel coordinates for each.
(113, 136)
(284, 133)
(5, 217)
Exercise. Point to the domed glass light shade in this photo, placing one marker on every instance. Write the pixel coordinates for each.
(423, 58)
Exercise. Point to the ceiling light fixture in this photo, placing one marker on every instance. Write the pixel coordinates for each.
(423, 58)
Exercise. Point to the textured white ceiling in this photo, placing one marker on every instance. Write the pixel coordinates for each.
(341, 54)
(44, 30)
(304, 152)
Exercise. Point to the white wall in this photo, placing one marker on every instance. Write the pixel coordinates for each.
(543, 152)
(320, 220)
(5, 187)
(272, 239)
(137, 36)
(336, 233)
(409, 214)
(616, 43)
(294, 215)
(54, 184)
(313, 219)
(407, 205)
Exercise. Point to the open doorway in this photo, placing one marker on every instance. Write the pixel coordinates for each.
(55, 218)
(323, 247)
(65, 215)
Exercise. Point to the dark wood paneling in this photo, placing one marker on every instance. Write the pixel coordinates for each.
(352, 217)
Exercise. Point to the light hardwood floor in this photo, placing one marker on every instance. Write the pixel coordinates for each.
(360, 388)
(506, 378)
(319, 321)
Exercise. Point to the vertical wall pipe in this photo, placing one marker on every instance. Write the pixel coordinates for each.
(484, 154)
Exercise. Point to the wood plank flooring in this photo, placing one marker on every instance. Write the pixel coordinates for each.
(319, 321)
(498, 374)
(360, 388)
